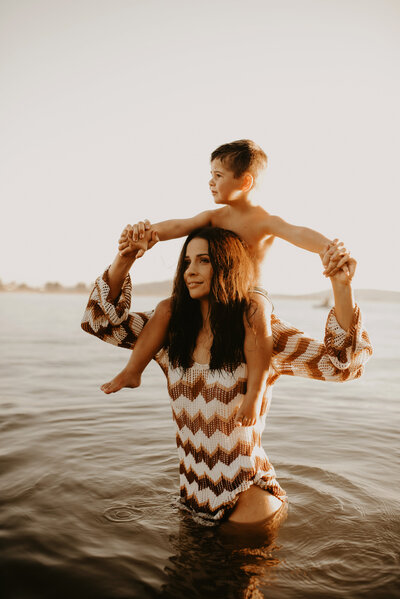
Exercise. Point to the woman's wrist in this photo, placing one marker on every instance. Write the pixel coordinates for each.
(344, 302)
(117, 273)
(340, 281)
(126, 260)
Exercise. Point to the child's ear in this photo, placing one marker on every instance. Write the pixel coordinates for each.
(247, 182)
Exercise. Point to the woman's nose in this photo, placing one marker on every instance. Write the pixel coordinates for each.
(190, 269)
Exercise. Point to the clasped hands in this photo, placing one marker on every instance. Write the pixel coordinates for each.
(337, 262)
(136, 239)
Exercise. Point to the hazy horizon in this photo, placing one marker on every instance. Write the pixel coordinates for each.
(161, 289)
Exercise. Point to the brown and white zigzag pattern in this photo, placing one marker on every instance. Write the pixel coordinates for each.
(218, 460)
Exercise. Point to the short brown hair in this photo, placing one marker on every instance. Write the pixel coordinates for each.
(241, 156)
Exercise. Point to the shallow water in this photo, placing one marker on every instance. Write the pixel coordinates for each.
(89, 483)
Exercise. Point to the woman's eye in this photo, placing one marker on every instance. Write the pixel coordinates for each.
(205, 260)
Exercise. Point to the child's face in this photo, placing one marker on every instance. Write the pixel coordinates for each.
(223, 185)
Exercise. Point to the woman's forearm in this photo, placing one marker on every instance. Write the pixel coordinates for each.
(344, 302)
(117, 274)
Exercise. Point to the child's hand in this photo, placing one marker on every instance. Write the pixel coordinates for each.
(135, 240)
(248, 412)
(334, 257)
(139, 230)
(331, 256)
(338, 262)
(136, 231)
(345, 274)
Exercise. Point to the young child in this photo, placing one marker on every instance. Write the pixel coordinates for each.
(235, 171)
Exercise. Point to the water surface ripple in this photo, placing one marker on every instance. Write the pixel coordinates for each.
(89, 483)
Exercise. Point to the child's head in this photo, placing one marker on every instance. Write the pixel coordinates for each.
(241, 164)
(241, 156)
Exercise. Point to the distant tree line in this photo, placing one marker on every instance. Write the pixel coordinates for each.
(49, 287)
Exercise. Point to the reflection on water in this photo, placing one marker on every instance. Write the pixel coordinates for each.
(89, 483)
(230, 560)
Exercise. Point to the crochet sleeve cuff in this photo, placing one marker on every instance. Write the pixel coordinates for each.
(340, 357)
(110, 320)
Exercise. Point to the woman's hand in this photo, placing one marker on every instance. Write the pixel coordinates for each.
(136, 239)
(338, 263)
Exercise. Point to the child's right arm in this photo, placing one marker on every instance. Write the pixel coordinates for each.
(180, 227)
(167, 229)
(172, 229)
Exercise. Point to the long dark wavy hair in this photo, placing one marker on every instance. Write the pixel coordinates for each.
(233, 276)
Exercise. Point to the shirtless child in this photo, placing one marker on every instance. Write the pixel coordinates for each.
(235, 170)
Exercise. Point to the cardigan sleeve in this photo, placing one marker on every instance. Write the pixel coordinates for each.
(340, 357)
(111, 320)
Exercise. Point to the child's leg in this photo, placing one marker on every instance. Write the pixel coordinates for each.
(147, 345)
(258, 346)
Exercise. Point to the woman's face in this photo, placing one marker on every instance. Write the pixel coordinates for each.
(198, 270)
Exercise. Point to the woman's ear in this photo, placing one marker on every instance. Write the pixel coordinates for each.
(247, 182)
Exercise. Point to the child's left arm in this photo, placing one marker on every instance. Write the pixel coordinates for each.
(303, 237)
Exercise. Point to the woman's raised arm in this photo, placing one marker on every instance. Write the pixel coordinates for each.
(107, 313)
(346, 347)
(341, 277)
(123, 263)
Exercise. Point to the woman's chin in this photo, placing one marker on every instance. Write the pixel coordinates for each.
(197, 294)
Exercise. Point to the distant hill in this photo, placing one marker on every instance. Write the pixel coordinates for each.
(372, 295)
(164, 288)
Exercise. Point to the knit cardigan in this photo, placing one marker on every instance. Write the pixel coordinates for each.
(218, 459)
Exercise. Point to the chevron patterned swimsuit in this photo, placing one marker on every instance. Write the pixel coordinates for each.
(218, 460)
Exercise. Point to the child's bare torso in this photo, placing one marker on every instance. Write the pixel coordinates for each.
(250, 224)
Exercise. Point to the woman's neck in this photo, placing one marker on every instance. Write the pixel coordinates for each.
(205, 312)
(201, 353)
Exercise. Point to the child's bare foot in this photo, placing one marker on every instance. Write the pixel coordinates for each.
(248, 412)
(123, 379)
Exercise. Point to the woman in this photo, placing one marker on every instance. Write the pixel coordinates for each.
(224, 471)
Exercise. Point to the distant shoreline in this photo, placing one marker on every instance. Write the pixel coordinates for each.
(163, 289)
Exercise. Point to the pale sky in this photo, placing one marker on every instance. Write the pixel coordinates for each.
(110, 110)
